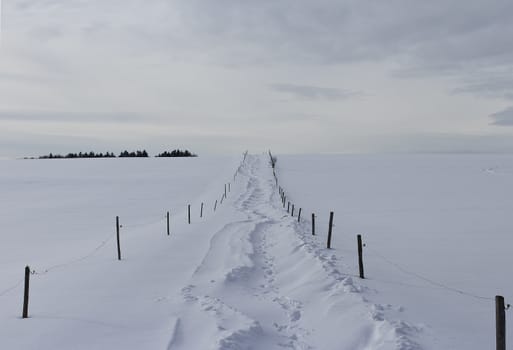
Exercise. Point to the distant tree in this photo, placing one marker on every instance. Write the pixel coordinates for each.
(176, 153)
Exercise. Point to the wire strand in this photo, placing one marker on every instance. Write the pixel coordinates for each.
(428, 280)
(146, 223)
(74, 261)
(13, 287)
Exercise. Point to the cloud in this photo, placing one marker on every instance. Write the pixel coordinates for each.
(496, 85)
(71, 117)
(503, 118)
(216, 66)
(314, 92)
(430, 34)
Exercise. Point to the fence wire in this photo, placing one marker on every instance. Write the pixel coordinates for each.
(396, 265)
(103, 243)
(428, 280)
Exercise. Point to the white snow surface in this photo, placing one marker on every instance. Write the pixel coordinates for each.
(250, 276)
(438, 233)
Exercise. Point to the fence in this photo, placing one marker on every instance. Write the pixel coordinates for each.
(500, 306)
(119, 227)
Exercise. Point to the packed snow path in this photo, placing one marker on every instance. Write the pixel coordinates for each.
(264, 283)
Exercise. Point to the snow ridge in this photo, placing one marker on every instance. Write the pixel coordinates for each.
(264, 284)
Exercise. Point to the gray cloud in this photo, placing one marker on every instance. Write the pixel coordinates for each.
(430, 34)
(314, 92)
(205, 64)
(71, 117)
(503, 118)
(493, 85)
(20, 77)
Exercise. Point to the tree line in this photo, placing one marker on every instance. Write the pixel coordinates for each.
(176, 153)
(124, 154)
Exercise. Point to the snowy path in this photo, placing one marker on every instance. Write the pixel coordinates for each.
(263, 284)
(246, 276)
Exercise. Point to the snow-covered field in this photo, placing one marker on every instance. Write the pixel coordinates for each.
(438, 230)
(249, 276)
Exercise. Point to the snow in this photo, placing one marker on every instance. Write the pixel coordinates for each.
(250, 276)
(437, 230)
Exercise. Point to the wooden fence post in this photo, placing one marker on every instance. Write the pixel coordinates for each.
(117, 237)
(168, 231)
(500, 323)
(299, 215)
(360, 255)
(215, 206)
(288, 207)
(26, 292)
(330, 230)
(313, 224)
(189, 213)
(292, 209)
(225, 190)
(201, 210)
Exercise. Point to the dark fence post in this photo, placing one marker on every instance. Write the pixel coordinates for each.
(500, 322)
(215, 206)
(313, 224)
(225, 190)
(189, 213)
(117, 237)
(168, 223)
(360, 255)
(299, 215)
(26, 292)
(201, 210)
(288, 207)
(292, 209)
(284, 201)
(330, 230)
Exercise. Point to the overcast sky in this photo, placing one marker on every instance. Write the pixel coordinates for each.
(224, 76)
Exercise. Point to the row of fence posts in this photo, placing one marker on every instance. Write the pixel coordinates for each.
(500, 307)
(168, 226)
(291, 209)
(227, 189)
